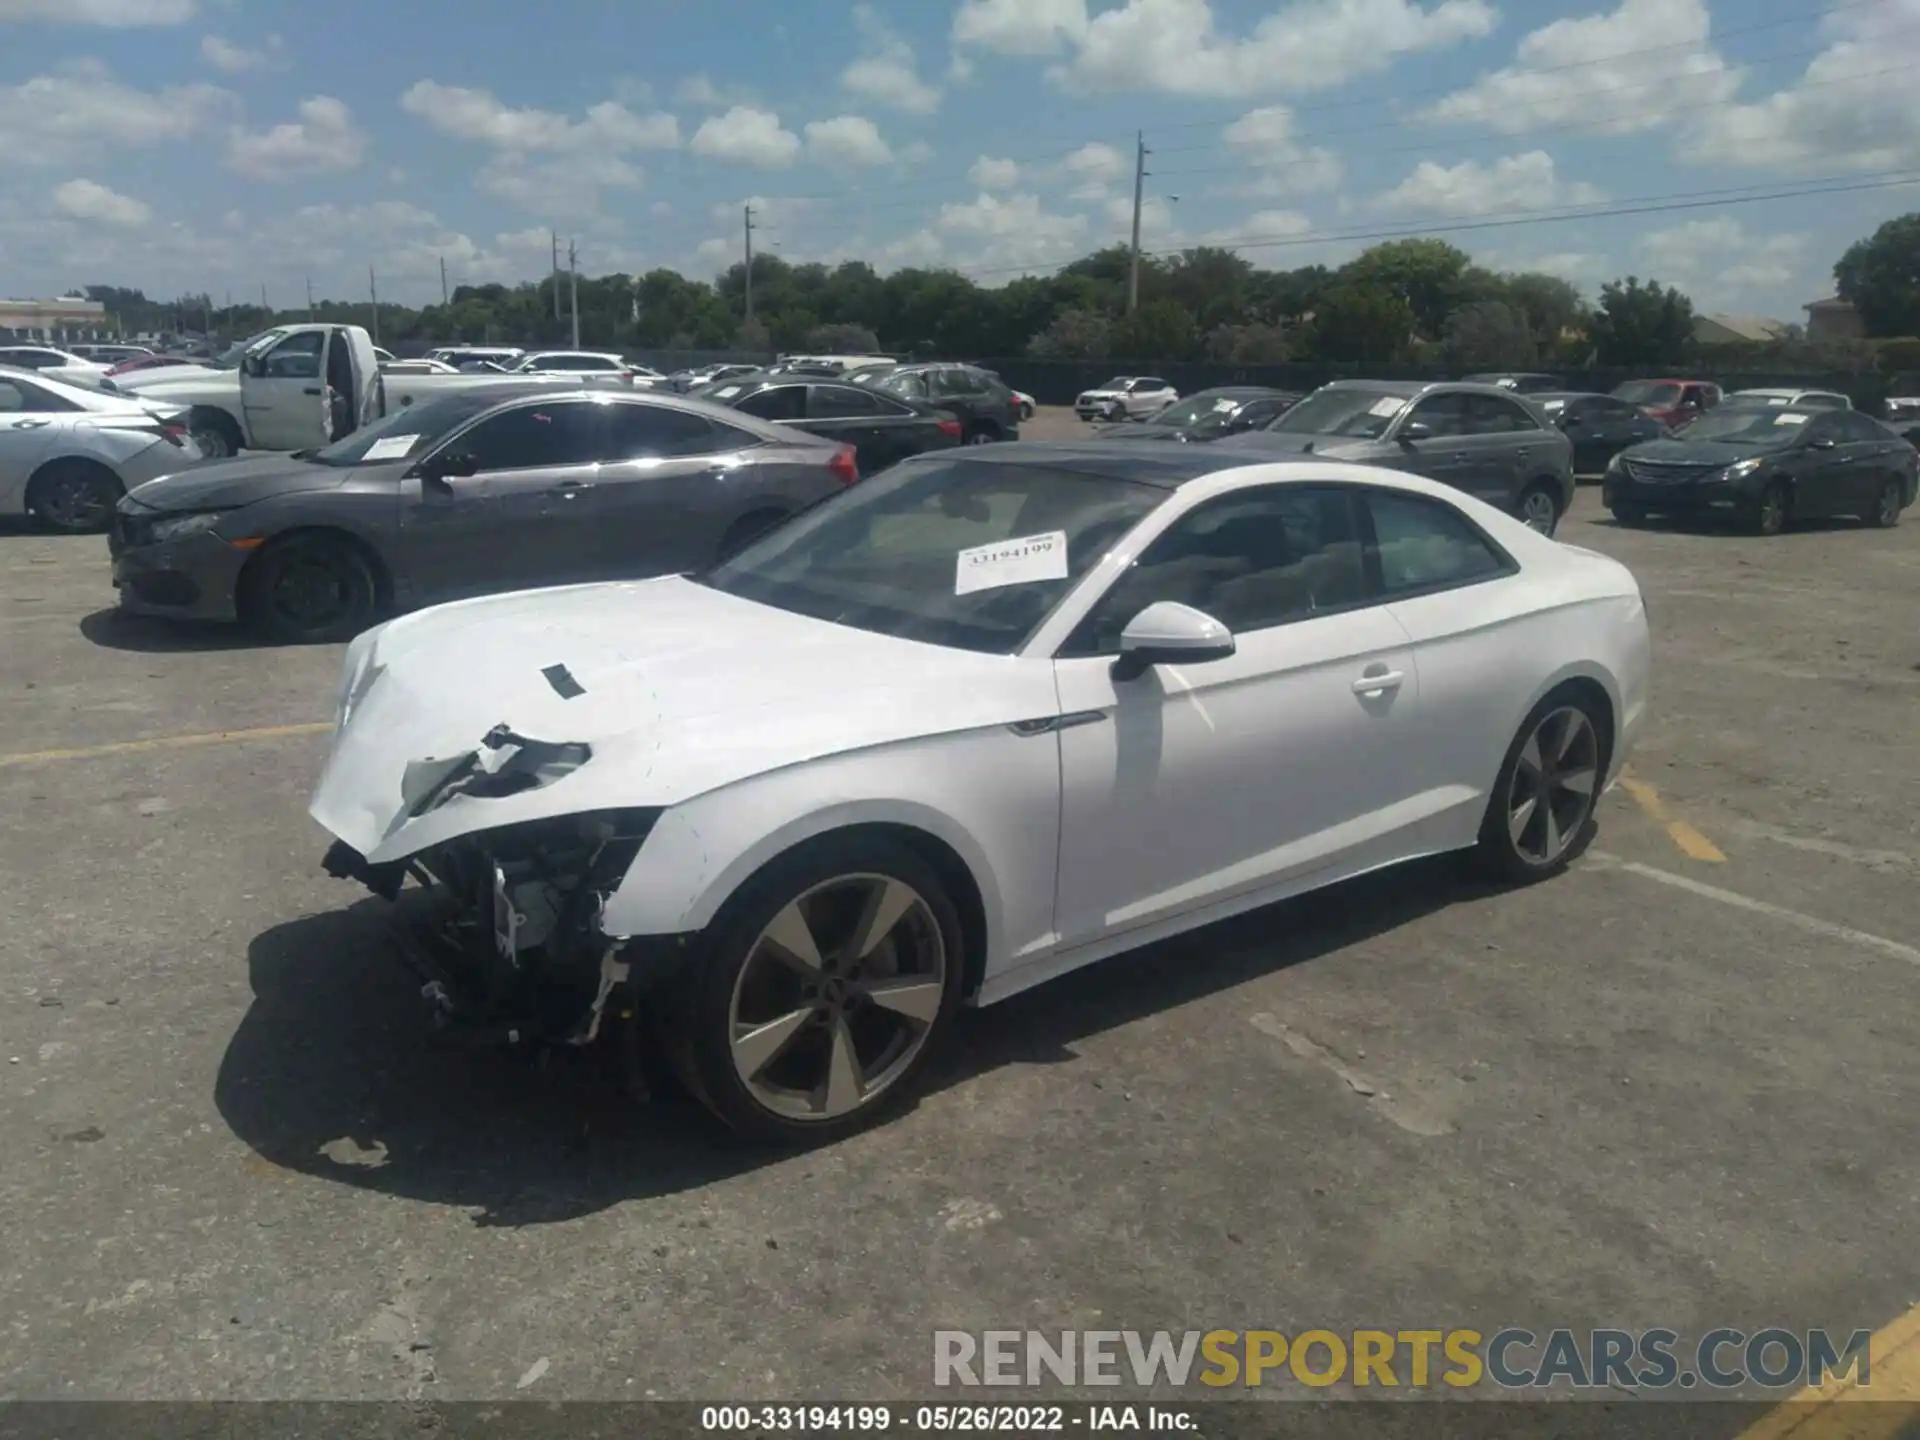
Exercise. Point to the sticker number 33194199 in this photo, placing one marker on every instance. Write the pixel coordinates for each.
(1019, 561)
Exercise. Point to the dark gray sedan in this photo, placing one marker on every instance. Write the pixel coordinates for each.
(483, 490)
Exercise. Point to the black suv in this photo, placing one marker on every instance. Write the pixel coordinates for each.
(987, 409)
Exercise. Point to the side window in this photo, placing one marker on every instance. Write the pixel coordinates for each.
(14, 397)
(1489, 415)
(297, 357)
(535, 436)
(832, 401)
(1251, 561)
(1423, 544)
(1150, 383)
(776, 402)
(1444, 415)
(913, 385)
(1857, 427)
(650, 432)
(1822, 402)
(955, 381)
(1821, 427)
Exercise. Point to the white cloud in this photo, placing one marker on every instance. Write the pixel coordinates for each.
(988, 173)
(1176, 47)
(1020, 27)
(704, 93)
(86, 200)
(108, 14)
(959, 70)
(231, 59)
(1624, 72)
(1266, 137)
(887, 73)
(1855, 107)
(1259, 231)
(56, 120)
(1513, 182)
(1092, 169)
(1578, 266)
(746, 136)
(1718, 261)
(1011, 233)
(561, 187)
(848, 142)
(608, 127)
(324, 139)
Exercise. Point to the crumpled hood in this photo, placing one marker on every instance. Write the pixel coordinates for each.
(228, 483)
(1287, 442)
(677, 689)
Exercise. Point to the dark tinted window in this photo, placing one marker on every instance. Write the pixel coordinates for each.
(1444, 415)
(1425, 543)
(956, 381)
(1852, 425)
(1490, 415)
(912, 385)
(648, 432)
(1150, 382)
(828, 401)
(1605, 407)
(17, 396)
(569, 433)
(1823, 402)
(776, 402)
(297, 357)
(1251, 561)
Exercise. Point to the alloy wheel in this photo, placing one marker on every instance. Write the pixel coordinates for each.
(837, 997)
(1773, 511)
(1889, 509)
(1552, 792)
(213, 443)
(1538, 510)
(74, 500)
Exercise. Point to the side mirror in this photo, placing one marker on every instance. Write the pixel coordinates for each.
(1169, 633)
(1824, 442)
(255, 365)
(1415, 430)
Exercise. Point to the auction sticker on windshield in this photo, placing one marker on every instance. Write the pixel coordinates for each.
(1019, 561)
(391, 447)
(1388, 406)
(1789, 419)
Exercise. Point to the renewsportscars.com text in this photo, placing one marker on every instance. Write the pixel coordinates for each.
(1512, 1359)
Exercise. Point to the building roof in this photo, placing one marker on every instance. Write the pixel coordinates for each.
(1832, 302)
(1749, 327)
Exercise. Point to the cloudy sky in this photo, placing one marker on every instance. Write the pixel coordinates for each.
(229, 144)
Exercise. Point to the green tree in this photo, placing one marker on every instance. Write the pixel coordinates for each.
(1642, 323)
(1488, 335)
(1551, 306)
(1159, 330)
(1429, 275)
(1361, 322)
(1210, 284)
(1074, 335)
(842, 339)
(1880, 275)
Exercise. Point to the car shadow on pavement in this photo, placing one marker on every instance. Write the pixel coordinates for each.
(334, 1072)
(113, 629)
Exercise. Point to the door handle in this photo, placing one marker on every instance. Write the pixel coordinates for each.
(1379, 684)
(311, 390)
(30, 424)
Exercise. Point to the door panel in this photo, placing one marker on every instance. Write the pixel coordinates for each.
(672, 484)
(285, 404)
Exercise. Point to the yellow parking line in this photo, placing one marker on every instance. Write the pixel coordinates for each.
(1816, 1413)
(166, 742)
(1692, 843)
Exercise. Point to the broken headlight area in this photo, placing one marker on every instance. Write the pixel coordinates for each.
(506, 936)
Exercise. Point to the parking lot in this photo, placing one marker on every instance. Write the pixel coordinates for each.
(1676, 1086)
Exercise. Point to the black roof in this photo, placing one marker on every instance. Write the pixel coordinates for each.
(1242, 392)
(1167, 467)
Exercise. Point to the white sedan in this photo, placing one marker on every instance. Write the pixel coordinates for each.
(68, 453)
(61, 365)
(985, 718)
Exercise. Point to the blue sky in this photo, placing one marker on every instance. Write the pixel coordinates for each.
(229, 144)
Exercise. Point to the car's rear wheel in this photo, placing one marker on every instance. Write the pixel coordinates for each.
(983, 435)
(1886, 512)
(828, 982)
(1544, 797)
(1539, 508)
(75, 497)
(215, 433)
(309, 589)
(1770, 516)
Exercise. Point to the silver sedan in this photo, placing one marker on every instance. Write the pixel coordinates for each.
(67, 454)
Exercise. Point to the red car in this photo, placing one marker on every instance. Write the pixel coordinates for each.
(1671, 402)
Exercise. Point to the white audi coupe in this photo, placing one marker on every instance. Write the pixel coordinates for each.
(981, 719)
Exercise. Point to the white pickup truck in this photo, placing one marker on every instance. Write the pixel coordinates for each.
(295, 387)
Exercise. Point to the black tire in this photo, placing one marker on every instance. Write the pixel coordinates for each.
(1632, 515)
(1536, 500)
(1505, 850)
(985, 433)
(705, 1010)
(74, 497)
(215, 433)
(1892, 501)
(1774, 510)
(747, 529)
(310, 589)
(1026, 413)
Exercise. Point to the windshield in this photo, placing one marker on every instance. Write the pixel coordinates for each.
(1201, 412)
(1647, 392)
(405, 434)
(967, 553)
(1360, 414)
(1758, 425)
(229, 359)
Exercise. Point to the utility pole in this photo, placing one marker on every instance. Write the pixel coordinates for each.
(263, 302)
(1139, 190)
(373, 294)
(554, 235)
(573, 283)
(749, 270)
(443, 280)
(310, 315)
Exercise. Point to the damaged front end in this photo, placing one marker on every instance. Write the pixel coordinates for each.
(506, 937)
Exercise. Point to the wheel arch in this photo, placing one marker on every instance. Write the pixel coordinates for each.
(383, 583)
(217, 416)
(55, 462)
(1592, 683)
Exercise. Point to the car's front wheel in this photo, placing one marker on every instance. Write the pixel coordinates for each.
(1539, 507)
(309, 589)
(1886, 511)
(1545, 794)
(826, 985)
